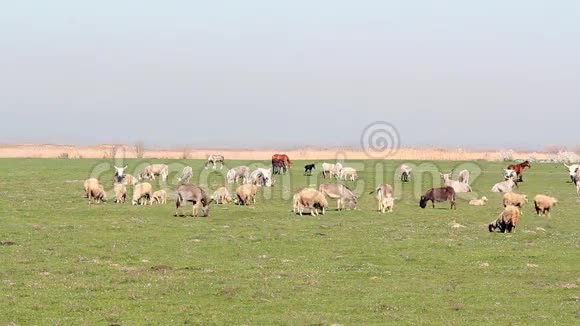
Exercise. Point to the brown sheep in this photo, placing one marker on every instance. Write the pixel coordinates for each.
(87, 185)
(142, 194)
(507, 220)
(120, 193)
(94, 191)
(246, 193)
(160, 197)
(513, 199)
(544, 203)
(312, 199)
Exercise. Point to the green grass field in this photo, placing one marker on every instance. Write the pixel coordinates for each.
(73, 263)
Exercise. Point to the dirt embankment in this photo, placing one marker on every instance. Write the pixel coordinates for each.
(125, 151)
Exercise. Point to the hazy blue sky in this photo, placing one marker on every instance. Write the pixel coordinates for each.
(271, 73)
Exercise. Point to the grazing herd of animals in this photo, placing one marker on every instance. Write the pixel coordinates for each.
(315, 200)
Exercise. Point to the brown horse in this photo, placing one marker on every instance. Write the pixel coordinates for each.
(519, 168)
(282, 157)
(279, 167)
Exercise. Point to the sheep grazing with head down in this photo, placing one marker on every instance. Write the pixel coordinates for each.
(222, 196)
(94, 191)
(507, 220)
(478, 202)
(544, 204)
(142, 194)
(246, 193)
(149, 173)
(160, 197)
(348, 174)
(312, 199)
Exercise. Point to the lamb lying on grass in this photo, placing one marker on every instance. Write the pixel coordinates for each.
(478, 202)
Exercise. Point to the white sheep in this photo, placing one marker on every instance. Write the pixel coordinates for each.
(120, 191)
(94, 191)
(478, 202)
(348, 173)
(221, 196)
(463, 176)
(405, 172)
(504, 186)
(387, 203)
(152, 170)
(458, 186)
(160, 197)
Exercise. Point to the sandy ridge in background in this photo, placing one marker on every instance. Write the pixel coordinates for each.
(125, 151)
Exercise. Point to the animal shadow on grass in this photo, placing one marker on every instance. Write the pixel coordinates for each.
(186, 215)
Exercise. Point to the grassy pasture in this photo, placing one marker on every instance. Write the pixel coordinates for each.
(74, 263)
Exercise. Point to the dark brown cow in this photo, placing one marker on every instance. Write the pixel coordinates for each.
(282, 157)
(438, 195)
